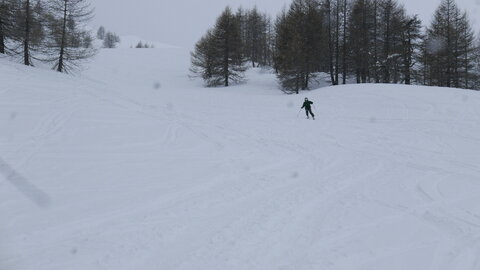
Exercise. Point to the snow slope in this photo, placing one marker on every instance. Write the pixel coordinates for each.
(134, 166)
(127, 42)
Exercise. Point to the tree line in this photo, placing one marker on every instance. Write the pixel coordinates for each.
(359, 41)
(109, 39)
(50, 31)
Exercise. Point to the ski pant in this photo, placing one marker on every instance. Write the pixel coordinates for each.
(309, 111)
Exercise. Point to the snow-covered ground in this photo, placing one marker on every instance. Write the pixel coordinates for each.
(127, 42)
(134, 166)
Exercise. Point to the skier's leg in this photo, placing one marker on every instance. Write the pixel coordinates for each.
(306, 111)
(311, 113)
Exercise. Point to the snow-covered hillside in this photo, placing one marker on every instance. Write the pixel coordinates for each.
(127, 42)
(145, 169)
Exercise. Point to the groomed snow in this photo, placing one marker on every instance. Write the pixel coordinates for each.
(145, 169)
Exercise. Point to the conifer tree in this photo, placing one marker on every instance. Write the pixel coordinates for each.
(111, 40)
(449, 48)
(101, 33)
(411, 46)
(360, 26)
(67, 34)
(203, 57)
(27, 31)
(299, 43)
(6, 23)
(218, 57)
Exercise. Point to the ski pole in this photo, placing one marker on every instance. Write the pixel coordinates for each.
(299, 113)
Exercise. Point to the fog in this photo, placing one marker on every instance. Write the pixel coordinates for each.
(182, 22)
(179, 22)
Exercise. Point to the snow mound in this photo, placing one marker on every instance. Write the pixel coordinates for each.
(145, 169)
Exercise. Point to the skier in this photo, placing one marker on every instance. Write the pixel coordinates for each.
(308, 108)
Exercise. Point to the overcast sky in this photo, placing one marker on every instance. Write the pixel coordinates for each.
(183, 22)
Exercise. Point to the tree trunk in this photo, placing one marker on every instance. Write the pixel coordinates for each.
(375, 45)
(330, 42)
(408, 61)
(386, 48)
(297, 83)
(4, 10)
(337, 41)
(449, 47)
(344, 60)
(307, 79)
(226, 55)
(26, 41)
(466, 58)
(2, 37)
(365, 50)
(63, 42)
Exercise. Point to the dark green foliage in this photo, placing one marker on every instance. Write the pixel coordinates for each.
(371, 40)
(257, 34)
(359, 39)
(411, 46)
(7, 24)
(68, 43)
(101, 33)
(46, 30)
(219, 56)
(111, 40)
(449, 49)
(299, 40)
(203, 58)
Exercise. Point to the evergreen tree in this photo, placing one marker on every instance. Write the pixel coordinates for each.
(68, 40)
(6, 23)
(360, 26)
(101, 33)
(449, 48)
(465, 54)
(111, 40)
(218, 57)
(27, 30)
(254, 31)
(344, 41)
(411, 37)
(333, 13)
(257, 36)
(203, 58)
(475, 80)
(299, 37)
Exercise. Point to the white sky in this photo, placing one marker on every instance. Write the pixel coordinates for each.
(183, 22)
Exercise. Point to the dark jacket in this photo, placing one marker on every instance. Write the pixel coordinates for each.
(307, 105)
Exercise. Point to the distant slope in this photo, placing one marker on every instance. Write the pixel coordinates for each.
(145, 169)
(132, 41)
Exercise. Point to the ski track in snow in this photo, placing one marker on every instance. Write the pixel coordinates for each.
(183, 177)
